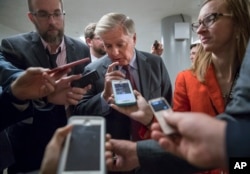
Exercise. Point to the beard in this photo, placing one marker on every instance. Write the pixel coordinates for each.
(54, 39)
(100, 51)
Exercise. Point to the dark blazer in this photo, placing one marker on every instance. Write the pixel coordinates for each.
(30, 139)
(238, 139)
(153, 159)
(154, 82)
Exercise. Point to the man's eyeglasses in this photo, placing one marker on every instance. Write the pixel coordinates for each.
(208, 20)
(44, 15)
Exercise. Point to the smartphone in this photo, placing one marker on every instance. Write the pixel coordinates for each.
(89, 78)
(84, 148)
(161, 109)
(156, 44)
(70, 65)
(123, 92)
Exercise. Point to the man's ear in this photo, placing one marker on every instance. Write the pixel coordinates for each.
(88, 41)
(134, 38)
(30, 16)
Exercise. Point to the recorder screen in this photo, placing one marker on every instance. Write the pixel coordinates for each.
(122, 88)
(159, 105)
(123, 92)
(84, 148)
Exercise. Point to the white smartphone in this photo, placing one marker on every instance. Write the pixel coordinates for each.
(161, 109)
(84, 148)
(123, 92)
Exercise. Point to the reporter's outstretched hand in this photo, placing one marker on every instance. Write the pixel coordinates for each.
(200, 139)
(157, 51)
(35, 83)
(121, 155)
(140, 112)
(53, 151)
(64, 94)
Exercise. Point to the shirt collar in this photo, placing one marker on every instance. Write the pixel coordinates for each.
(46, 45)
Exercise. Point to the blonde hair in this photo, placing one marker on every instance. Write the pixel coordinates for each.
(240, 10)
(201, 62)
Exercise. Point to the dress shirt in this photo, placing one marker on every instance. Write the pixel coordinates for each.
(61, 58)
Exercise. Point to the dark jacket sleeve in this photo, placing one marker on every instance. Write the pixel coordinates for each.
(8, 113)
(238, 127)
(153, 159)
(238, 139)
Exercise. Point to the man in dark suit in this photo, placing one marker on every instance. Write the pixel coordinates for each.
(224, 137)
(149, 74)
(34, 49)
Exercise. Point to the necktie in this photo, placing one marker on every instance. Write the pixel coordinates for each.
(129, 76)
(135, 126)
(53, 57)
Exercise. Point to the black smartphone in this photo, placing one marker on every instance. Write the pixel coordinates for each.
(156, 44)
(89, 78)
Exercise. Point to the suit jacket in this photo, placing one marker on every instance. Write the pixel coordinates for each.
(192, 95)
(29, 139)
(154, 81)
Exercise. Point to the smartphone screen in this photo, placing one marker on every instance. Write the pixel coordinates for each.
(161, 109)
(123, 92)
(159, 105)
(84, 149)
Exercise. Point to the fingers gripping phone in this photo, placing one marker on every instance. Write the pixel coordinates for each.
(123, 93)
(161, 109)
(84, 148)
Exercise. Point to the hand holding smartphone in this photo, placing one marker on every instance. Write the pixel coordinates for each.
(84, 149)
(161, 109)
(123, 92)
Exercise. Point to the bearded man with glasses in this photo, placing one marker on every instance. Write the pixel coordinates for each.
(34, 49)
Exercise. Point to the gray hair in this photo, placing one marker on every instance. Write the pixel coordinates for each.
(112, 20)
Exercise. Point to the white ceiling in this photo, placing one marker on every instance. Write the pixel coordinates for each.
(147, 15)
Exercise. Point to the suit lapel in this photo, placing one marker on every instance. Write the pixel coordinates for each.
(106, 62)
(214, 91)
(70, 50)
(39, 55)
(144, 72)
